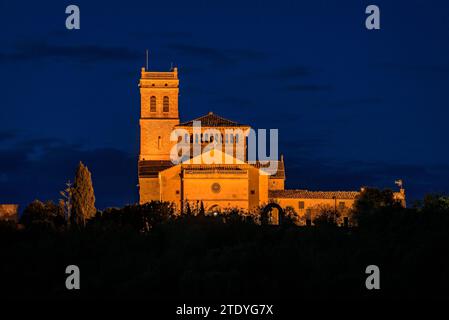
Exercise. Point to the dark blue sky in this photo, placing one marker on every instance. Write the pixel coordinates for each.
(353, 107)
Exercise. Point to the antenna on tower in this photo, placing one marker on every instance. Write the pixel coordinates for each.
(146, 61)
(171, 66)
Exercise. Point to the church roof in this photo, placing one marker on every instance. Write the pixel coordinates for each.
(212, 120)
(213, 168)
(280, 172)
(151, 168)
(306, 194)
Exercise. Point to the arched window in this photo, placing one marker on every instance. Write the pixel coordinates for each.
(153, 104)
(196, 138)
(237, 138)
(166, 104)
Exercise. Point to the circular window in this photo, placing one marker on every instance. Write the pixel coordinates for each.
(216, 187)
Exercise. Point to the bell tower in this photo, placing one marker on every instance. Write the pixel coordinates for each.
(158, 113)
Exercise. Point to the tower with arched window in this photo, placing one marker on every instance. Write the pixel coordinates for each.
(235, 181)
(158, 113)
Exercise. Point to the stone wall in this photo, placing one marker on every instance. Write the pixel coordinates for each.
(9, 212)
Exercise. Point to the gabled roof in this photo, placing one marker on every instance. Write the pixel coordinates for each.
(151, 168)
(306, 194)
(217, 155)
(280, 172)
(212, 120)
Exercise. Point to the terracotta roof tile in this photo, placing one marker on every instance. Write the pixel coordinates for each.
(151, 168)
(212, 120)
(306, 194)
(210, 167)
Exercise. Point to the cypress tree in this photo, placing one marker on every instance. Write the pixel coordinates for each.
(83, 206)
(202, 211)
(188, 210)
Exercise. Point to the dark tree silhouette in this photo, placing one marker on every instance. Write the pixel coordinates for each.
(150, 251)
(435, 203)
(326, 216)
(83, 197)
(202, 212)
(44, 215)
(373, 206)
(188, 209)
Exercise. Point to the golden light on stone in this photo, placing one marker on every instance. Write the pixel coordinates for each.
(239, 184)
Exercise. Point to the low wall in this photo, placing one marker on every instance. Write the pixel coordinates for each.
(9, 212)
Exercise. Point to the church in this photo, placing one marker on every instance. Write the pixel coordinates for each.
(233, 182)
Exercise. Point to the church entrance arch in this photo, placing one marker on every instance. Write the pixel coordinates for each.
(214, 209)
(272, 214)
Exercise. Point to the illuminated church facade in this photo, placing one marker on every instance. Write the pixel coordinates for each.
(235, 182)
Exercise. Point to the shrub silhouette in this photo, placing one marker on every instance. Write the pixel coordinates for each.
(147, 251)
(43, 215)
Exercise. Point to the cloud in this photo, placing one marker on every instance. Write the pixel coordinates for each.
(287, 73)
(11, 160)
(7, 135)
(26, 176)
(350, 105)
(302, 145)
(164, 35)
(367, 101)
(275, 118)
(214, 56)
(418, 69)
(80, 53)
(306, 172)
(307, 88)
(233, 101)
(40, 142)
